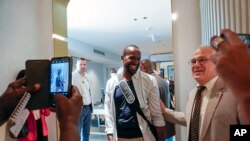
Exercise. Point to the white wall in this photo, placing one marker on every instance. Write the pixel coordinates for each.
(79, 49)
(26, 29)
(25, 33)
(95, 70)
(186, 37)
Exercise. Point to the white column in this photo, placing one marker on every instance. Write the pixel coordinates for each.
(186, 38)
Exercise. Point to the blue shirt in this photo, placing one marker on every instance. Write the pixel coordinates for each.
(126, 121)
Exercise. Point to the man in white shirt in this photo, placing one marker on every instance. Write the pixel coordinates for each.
(81, 80)
(123, 123)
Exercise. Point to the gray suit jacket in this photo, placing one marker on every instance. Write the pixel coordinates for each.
(221, 111)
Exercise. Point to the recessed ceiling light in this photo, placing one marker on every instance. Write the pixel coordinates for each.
(145, 18)
(135, 19)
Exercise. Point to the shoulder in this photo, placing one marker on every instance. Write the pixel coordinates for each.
(88, 77)
(113, 80)
(193, 90)
(147, 77)
(74, 73)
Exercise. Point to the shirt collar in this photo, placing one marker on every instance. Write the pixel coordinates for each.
(113, 74)
(137, 73)
(209, 85)
(85, 75)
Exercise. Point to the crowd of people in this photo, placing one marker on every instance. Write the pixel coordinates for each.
(221, 70)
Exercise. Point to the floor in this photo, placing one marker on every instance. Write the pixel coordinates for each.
(94, 137)
(98, 125)
(104, 138)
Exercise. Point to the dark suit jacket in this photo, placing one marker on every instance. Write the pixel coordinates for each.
(221, 111)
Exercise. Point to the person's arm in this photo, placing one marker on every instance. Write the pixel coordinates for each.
(232, 64)
(155, 110)
(68, 113)
(245, 106)
(10, 98)
(108, 111)
(161, 133)
(110, 137)
(173, 116)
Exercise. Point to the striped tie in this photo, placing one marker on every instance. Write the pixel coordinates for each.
(195, 120)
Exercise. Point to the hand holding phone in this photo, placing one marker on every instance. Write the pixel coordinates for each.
(54, 76)
(60, 77)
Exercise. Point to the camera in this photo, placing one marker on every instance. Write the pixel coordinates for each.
(60, 77)
(245, 38)
(54, 76)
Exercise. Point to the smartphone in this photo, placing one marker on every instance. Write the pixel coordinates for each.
(245, 38)
(60, 77)
(37, 71)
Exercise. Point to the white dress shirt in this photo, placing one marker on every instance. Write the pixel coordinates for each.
(83, 84)
(205, 98)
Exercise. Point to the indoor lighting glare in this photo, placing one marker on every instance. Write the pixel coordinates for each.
(174, 16)
(55, 36)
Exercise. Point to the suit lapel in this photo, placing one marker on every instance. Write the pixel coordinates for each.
(190, 107)
(211, 106)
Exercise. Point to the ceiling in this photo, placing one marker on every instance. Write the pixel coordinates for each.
(110, 25)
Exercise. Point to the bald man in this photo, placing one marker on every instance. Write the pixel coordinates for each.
(147, 67)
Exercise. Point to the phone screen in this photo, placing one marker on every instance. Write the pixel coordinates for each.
(245, 38)
(60, 76)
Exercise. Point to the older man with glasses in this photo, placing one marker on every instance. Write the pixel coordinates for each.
(211, 107)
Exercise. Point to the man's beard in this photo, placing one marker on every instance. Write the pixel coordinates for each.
(129, 71)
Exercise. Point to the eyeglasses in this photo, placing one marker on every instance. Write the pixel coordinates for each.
(201, 60)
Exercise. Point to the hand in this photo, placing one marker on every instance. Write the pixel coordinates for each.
(68, 109)
(232, 64)
(12, 95)
(68, 112)
(110, 137)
